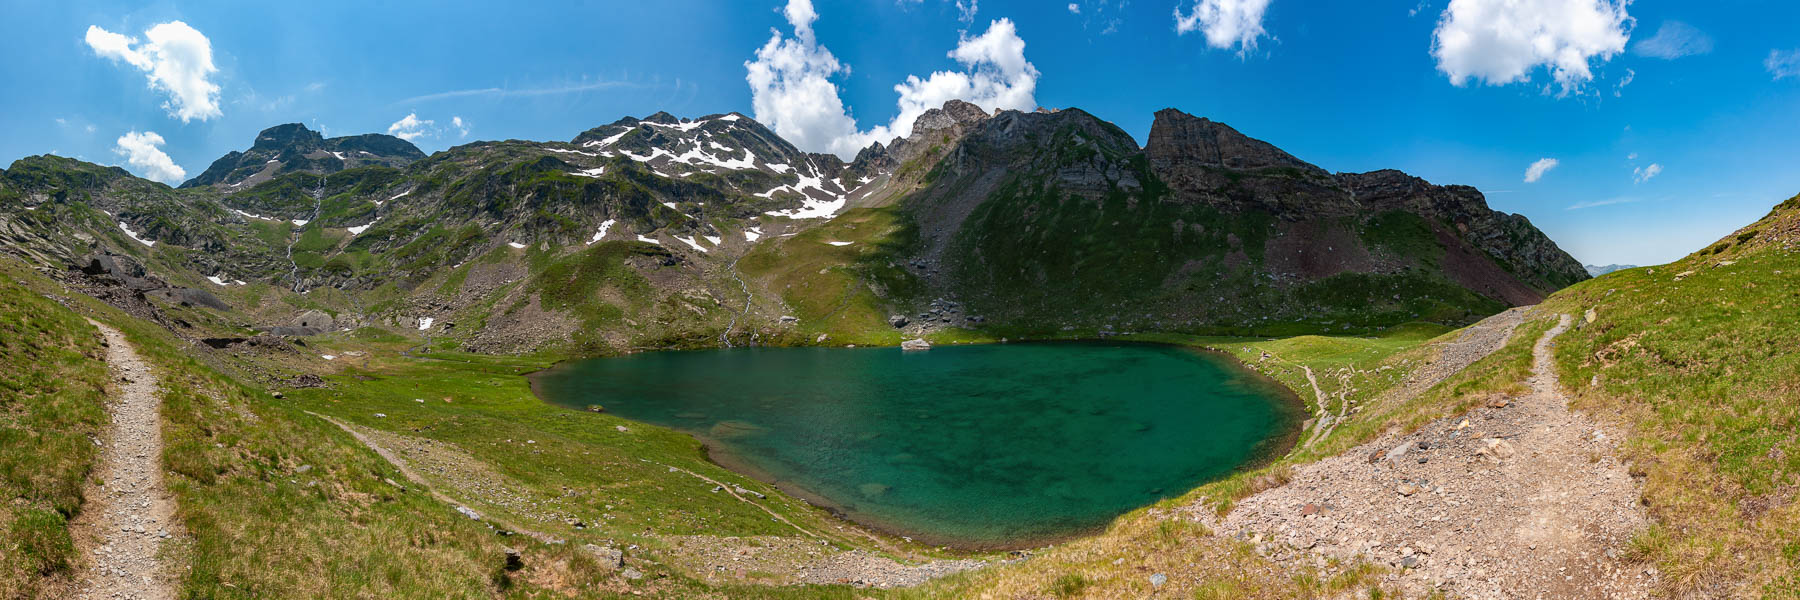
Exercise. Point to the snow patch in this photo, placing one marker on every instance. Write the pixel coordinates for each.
(516, 245)
(688, 126)
(714, 239)
(571, 151)
(146, 243)
(328, 356)
(840, 243)
(357, 230)
(646, 240)
(752, 234)
(594, 172)
(690, 241)
(300, 222)
(611, 140)
(216, 281)
(603, 227)
(425, 323)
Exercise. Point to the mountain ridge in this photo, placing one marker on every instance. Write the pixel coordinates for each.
(1050, 220)
(292, 147)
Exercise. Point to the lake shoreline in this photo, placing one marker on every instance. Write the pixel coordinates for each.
(1289, 407)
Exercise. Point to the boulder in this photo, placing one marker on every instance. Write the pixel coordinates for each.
(315, 319)
(897, 321)
(915, 344)
(607, 557)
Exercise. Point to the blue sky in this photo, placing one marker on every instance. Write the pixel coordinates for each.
(1669, 123)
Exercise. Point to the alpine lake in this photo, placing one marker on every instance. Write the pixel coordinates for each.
(994, 446)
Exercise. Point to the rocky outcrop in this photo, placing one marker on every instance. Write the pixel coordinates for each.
(1179, 140)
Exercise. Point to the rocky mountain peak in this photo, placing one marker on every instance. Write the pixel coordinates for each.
(290, 135)
(1181, 139)
(955, 115)
(295, 148)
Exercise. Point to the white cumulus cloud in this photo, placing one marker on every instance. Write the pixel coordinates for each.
(1225, 23)
(1074, 8)
(791, 87)
(1783, 64)
(411, 127)
(1673, 40)
(141, 152)
(1537, 169)
(176, 58)
(1643, 174)
(462, 127)
(1498, 42)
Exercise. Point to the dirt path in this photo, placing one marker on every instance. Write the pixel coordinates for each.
(130, 513)
(367, 438)
(1524, 500)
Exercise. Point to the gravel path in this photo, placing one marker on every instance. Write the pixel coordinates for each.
(1519, 499)
(130, 513)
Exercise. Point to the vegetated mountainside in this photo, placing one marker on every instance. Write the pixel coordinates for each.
(292, 148)
(621, 239)
(1055, 220)
(664, 232)
(1700, 359)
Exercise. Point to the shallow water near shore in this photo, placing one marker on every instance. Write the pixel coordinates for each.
(983, 446)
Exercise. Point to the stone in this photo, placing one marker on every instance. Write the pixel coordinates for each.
(468, 513)
(1407, 489)
(315, 319)
(915, 344)
(1499, 447)
(1158, 579)
(608, 558)
(1309, 510)
(897, 321)
(632, 574)
(514, 560)
(789, 319)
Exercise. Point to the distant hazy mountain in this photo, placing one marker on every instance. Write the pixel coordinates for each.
(1597, 270)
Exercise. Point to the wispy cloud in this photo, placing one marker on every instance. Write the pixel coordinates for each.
(1673, 40)
(1606, 202)
(500, 92)
(1537, 169)
(1644, 174)
(1783, 64)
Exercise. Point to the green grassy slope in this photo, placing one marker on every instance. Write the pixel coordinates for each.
(1701, 359)
(52, 395)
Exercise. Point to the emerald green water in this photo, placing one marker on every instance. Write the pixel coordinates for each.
(984, 446)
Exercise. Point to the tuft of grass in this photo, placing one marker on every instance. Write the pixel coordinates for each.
(1069, 585)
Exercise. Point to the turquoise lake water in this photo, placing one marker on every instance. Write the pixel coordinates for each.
(980, 446)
